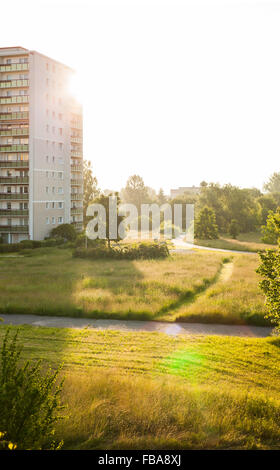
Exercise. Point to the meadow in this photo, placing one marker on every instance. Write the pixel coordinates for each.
(250, 241)
(154, 391)
(197, 286)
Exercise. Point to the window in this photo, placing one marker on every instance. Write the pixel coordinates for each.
(60, 131)
(60, 220)
(47, 128)
(47, 189)
(47, 158)
(60, 205)
(60, 146)
(53, 205)
(53, 189)
(60, 116)
(53, 115)
(47, 205)
(53, 130)
(60, 175)
(47, 174)
(47, 66)
(53, 220)
(47, 220)
(60, 190)
(47, 82)
(53, 159)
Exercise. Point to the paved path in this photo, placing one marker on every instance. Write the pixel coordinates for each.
(183, 247)
(129, 325)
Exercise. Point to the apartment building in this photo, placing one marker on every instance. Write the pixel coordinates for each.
(41, 146)
(184, 189)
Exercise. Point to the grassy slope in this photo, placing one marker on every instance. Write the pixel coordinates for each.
(149, 390)
(244, 242)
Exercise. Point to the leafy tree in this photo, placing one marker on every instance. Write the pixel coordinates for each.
(234, 228)
(266, 202)
(104, 201)
(271, 231)
(205, 225)
(90, 183)
(29, 400)
(270, 284)
(273, 184)
(161, 198)
(135, 192)
(66, 231)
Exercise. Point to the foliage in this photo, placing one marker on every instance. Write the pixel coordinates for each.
(29, 406)
(270, 284)
(167, 225)
(90, 188)
(234, 228)
(31, 244)
(135, 192)
(205, 225)
(131, 251)
(66, 231)
(271, 231)
(273, 184)
(6, 444)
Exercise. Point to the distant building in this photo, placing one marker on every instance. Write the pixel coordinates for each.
(41, 146)
(182, 190)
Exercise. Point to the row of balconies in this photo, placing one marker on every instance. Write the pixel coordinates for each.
(76, 210)
(14, 196)
(14, 116)
(12, 131)
(76, 197)
(14, 67)
(78, 225)
(14, 179)
(14, 99)
(76, 182)
(20, 83)
(14, 228)
(14, 164)
(77, 168)
(14, 148)
(13, 212)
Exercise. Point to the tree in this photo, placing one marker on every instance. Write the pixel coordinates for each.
(234, 228)
(66, 231)
(90, 183)
(205, 225)
(104, 201)
(135, 192)
(271, 231)
(270, 284)
(273, 184)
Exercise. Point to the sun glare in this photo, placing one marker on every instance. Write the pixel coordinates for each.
(76, 87)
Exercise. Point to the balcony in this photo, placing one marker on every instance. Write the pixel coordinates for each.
(76, 168)
(14, 99)
(14, 196)
(14, 83)
(76, 182)
(14, 116)
(14, 228)
(12, 131)
(75, 140)
(14, 148)
(78, 225)
(14, 179)
(14, 67)
(13, 212)
(76, 210)
(75, 154)
(76, 197)
(14, 164)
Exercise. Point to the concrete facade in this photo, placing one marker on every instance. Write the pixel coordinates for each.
(41, 146)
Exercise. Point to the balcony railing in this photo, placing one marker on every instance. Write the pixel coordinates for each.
(14, 228)
(14, 99)
(77, 168)
(76, 210)
(14, 164)
(76, 140)
(11, 132)
(14, 196)
(14, 179)
(78, 225)
(76, 182)
(76, 197)
(14, 148)
(13, 212)
(14, 83)
(76, 154)
(14, 116)
(14, 67)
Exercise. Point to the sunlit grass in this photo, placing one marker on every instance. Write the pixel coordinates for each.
(153, 391)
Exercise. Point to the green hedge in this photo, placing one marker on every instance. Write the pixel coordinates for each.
(30, 244)
(132, 251)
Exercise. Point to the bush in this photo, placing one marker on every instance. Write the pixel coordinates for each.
(66, 231)
(205, 226)
(132, 251)
(29, 401)
(270, 284)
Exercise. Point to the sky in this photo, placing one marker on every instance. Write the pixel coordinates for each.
(175, 91)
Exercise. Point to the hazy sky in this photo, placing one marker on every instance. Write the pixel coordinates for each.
(176, 91)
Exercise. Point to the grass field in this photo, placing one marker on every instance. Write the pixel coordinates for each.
(153, 391)
(244, 242)
(198, 286)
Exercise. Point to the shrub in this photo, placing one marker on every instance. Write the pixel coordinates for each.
(205, 226)
(270, 284)
(234, 228)
(271, 230)
(132, 251)
(29, 400)
(66, 231)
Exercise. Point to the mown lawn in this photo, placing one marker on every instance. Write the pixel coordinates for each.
(153, 391)
(183, 287)
(244, 242)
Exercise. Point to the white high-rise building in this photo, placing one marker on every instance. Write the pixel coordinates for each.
(41, 146)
